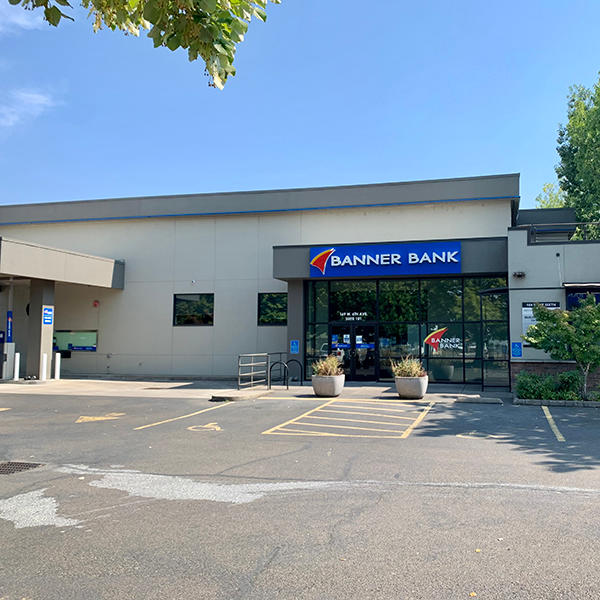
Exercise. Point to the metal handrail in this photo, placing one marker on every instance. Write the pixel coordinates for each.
(252, 373)
(577, 232)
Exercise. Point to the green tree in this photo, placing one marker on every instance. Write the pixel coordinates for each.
(551, 197)
(579, 151)
(569, 335)
(207, 29)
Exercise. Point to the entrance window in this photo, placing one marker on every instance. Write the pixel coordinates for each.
(353, 300)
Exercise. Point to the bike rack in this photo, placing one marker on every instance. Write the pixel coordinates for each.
(286, 371)
(286, 379)
(301, 378)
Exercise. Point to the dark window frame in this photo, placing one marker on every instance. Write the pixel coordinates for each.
(258, 304)
(212, 314)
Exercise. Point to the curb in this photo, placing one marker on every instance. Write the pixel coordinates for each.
(468, 400)
(575, 403)
(237, 395)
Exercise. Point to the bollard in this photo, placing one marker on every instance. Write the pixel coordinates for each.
(57, 365)
(43, 374)
(17, 366)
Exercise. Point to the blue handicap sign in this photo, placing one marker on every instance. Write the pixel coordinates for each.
(294, 346)
(517, 349)
(47, 315)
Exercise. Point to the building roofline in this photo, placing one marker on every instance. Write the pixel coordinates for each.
(269, 191)
(464, 189)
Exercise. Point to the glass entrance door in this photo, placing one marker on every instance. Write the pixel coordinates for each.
(355, 347)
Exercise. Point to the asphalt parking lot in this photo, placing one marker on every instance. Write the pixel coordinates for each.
(295, 497)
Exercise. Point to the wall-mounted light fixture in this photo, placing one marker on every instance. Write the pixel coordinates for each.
(519, 274)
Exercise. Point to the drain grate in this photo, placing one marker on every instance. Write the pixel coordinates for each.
(6, 468)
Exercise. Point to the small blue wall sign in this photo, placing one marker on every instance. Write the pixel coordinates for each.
(517, 350)
(294, 346)
(47, 315)
(9, 326)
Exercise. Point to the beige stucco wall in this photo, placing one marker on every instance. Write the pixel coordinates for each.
(230, 256)
(547, 267)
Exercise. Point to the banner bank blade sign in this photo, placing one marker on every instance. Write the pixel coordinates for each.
(417, 258)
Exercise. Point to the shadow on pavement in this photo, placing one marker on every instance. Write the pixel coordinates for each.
(526, 429)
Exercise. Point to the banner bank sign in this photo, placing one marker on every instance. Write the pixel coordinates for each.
(416, 258)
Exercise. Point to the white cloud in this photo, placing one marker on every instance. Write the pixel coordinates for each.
(13, 18)
(23, 105)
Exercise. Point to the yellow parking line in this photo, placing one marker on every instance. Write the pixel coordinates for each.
(418, 420)
(401, 410)
(354, 412)
(329, 434)
(555, 430)
(347, 427)
(182, 417)
(297, 418)
(2, 409)
(352, 420)
(381, 401)
(314, 398)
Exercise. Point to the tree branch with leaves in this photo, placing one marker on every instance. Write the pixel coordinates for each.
(569, 335)
(207, 29)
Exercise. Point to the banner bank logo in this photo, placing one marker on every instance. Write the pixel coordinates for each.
(386, 259)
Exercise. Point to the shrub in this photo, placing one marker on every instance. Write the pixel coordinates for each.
(327, 366)
(565, 386)
(569, 381)
(535, 387)
(407, 367)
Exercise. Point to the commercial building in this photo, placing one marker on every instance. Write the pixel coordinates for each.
(181, 285)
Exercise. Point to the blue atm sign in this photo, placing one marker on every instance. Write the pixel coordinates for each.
(417, 258)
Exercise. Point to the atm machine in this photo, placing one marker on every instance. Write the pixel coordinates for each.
(7, 355)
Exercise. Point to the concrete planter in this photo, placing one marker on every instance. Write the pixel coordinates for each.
(412, 387)
(328, 385)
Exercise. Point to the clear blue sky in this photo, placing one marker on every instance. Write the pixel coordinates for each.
(327, 93)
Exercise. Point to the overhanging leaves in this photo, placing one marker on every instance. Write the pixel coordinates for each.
(207, 29)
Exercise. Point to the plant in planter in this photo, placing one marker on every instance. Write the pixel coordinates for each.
(410, 377)
(328, 377)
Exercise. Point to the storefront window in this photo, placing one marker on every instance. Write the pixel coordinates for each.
(395, 341)
(399, 300)
(473, 341)
(442, 299)
(496, 341)
(472, 301)
(316, 340)
(443, 340)
(443, 370)
(439, 321)
(318, 302)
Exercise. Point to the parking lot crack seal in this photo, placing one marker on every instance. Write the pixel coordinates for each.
(33, 509)
(168, 487)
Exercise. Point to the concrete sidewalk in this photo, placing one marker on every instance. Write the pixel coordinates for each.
(227, 389)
